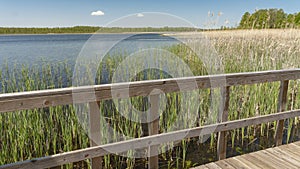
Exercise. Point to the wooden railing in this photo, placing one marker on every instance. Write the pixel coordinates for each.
(94, 94)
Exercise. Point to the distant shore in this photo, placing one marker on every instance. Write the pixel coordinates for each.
(91, 33)
(92, 30)
(229, 32)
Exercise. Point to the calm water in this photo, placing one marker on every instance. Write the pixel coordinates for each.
(34, 49)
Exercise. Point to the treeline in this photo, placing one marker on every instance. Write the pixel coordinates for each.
(77, 29)
(269, 19)
(147, 29)
(90, 29)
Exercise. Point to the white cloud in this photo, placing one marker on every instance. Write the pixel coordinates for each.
(140, 15)
(97, 13)
(227, 22)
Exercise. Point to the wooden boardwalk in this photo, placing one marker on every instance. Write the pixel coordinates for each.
(283, 157)
(280, 157)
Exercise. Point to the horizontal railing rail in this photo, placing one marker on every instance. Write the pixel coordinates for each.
(55, 97)
(93, 94)
(138, 143)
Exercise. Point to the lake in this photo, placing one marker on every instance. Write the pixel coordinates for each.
(37, 52)
(53, 48)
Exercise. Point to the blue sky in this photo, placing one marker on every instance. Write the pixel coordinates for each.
(62, 13)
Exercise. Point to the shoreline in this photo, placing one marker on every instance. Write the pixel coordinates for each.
(92, 33)
(273, 31)
(30, 34)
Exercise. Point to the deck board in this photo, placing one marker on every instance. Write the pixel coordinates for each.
(288, 153)
(297, 143)
(213, 166)
(285, 156)
(224, 164)
(246, 162)
(236, 164)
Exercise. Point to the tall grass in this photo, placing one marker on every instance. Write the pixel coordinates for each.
(47, 131)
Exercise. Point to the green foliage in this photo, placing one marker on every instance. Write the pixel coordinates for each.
(297, 19)
(245, 20)
(269, 19)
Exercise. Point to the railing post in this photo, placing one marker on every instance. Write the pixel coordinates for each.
(95, 131)
(282, 99)
(223, 116)
(153, 128)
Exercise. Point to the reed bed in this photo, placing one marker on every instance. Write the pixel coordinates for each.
(41, 132)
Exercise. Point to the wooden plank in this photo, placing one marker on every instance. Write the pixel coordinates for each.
(236, 164)
(201, 167)
(95, 132)
(292, 154)
(54, 97)
(224, 164)
(252, 78)
(274, 163)
(212, 166)
(282, 99)
(297, 143)
(223, 116)
(258, 161)
(153, 130)
(288, 149)
(144, 142)
(284, 156)
(293, 148)
(289, 153)
(246, 162)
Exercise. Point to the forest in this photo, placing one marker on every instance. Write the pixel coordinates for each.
(269, 19)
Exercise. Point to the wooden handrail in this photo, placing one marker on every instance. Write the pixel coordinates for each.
(144, 142)
(54, 97)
